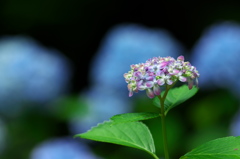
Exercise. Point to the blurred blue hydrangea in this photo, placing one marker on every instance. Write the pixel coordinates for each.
(122, 46)
(62, 148)
(235, 125)
(216, 56)
(125, 45)
(101, 106)
(30, 73)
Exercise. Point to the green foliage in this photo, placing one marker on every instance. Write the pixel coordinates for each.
(175, 131)
(222, 148)
(128, 117)
(175, 97)
(132, 134)
(69, 107)
(221, 102)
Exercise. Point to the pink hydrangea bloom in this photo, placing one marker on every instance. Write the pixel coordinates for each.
(159, 71)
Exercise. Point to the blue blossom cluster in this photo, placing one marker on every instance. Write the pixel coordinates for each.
(217, 54)
(62, 148)
(235, 125)
(30, 73)
(101, 106)
(128, 44)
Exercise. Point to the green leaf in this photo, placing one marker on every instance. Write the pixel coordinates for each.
(132, 134)
(175, 97)
(222, 148)
(129, 117)
(156, 101)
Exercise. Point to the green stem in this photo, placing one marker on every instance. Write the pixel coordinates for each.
(164, 132)
(163, 115)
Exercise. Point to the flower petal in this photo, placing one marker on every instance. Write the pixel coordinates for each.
(160, 82)
(156, 90)
(141, 87)
(149, 84)
(180, 58)
(196, 82)
(163, 64)
(150, 93)
(182, 79)
(149, 78)
(190, 83)
(130, 93)
(169, 82)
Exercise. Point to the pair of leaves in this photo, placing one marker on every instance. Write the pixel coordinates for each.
(126, 130)
(175, 97)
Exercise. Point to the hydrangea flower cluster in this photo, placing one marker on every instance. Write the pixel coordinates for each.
(157, 72)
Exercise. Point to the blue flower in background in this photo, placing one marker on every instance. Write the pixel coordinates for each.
(101, 106)
(62, 148)
(122, 46)
(125, 45)
(235, 125)
(216, 56)
(30, 73)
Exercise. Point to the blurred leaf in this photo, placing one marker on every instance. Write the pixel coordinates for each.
(220, 101)
(201, 136)
(36, 126)
(142, 103)
(175, 97)
(129, 117)
(131, 134)
(223, 148)
(70, 107)
(156, 101)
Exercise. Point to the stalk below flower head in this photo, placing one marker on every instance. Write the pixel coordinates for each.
(159, 71)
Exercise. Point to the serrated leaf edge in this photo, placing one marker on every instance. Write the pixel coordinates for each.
(185, 156)
(115, 120)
